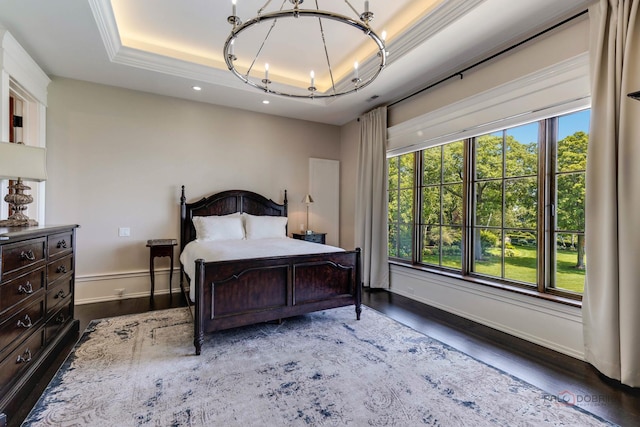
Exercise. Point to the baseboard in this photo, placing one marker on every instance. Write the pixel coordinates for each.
(551, 325)
(134, 284)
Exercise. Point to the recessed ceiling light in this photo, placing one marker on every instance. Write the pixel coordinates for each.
(266, 101)
(196, 88)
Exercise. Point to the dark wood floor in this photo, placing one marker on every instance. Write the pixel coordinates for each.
(551, 371)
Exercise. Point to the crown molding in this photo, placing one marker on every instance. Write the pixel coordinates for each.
(107, 26)
(443, 15)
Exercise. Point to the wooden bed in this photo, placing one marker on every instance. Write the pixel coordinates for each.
(236, 293)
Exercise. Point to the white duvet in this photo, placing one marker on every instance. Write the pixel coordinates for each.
(224, 250)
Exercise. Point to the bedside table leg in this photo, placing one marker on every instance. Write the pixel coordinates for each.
(152, 274)
(170, 274)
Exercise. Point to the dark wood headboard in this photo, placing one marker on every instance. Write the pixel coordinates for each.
(224, 203)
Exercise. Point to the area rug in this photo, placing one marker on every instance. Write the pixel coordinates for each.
(321, 369)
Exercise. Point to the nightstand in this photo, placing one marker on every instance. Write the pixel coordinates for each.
(312, 237)
(160, 248)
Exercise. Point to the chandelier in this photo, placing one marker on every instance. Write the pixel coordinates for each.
(270, 38)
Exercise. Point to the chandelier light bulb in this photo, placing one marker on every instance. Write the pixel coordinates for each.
(366, 6)
(266, 71)
(355, 70)
(233, 7)
(313, 76)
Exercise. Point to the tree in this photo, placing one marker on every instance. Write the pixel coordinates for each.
(570, 184)
(400, 214)
(515, 174)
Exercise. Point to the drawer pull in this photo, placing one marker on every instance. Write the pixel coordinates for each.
(60, 294)
(30, 256)
(24, 357)
(27, 289)
(62, 244)
(60, 318)
(61, 269)
(26, 323)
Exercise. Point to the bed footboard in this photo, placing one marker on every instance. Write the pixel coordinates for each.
(243, 292)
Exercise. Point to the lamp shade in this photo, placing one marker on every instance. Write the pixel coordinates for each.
(22, 161)
(307, 199)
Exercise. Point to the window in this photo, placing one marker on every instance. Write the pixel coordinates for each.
(505, 187)
(505, 207)
(442, 208)
(401, 185)
(569, 164)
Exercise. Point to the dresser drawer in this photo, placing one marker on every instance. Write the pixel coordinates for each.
(59, 268)
(19, 359)
(21, 323)
(60, 244)
(21, 255)
(57, 321)
(59, 294)
(21, 288)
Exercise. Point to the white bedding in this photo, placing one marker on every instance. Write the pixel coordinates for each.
(224, 250)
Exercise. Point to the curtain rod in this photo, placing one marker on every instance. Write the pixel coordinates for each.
(460, 73)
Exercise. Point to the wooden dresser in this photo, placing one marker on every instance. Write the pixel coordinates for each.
(37, 273)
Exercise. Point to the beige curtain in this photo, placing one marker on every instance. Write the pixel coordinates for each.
(611, 304)
(371, 198)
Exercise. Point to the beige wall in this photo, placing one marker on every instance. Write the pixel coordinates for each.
(117, 158)
(349, 139)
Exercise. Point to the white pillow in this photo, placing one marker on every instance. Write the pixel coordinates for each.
(265, 227)
(227, 227)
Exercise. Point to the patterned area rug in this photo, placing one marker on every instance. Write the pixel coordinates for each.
(322, 369)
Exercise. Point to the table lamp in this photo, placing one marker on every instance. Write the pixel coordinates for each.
(308, 200)
(18, 162)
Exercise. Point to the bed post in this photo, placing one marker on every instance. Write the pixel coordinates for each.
(198, 330)
(285, 203)
(358, 285)
(183, 217)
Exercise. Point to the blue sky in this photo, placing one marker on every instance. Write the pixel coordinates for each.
(571, 123)
(568, 125)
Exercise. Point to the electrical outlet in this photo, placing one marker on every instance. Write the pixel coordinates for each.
(119, 292)
(124, 232)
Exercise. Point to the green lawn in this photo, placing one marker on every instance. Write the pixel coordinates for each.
(522, 267)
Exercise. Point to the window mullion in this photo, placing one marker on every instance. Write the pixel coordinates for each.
(467, 205)
(504, 204)
(417, 207)
(551, 212)
(545, 224)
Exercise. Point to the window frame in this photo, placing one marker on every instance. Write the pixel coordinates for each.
(546, 222)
